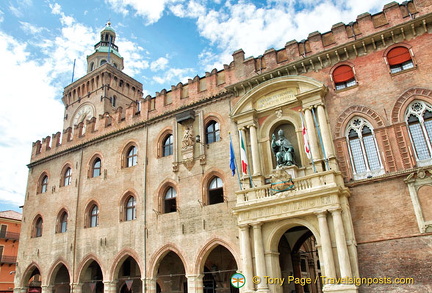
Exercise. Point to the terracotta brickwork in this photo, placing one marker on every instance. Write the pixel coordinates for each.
(137, 192)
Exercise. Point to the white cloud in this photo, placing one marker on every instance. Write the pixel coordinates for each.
(243, 25)
(192, 9)
(1, 16)
(160, 64)
(31, 29)
(149, 9)
(174, 76)
(28, 92)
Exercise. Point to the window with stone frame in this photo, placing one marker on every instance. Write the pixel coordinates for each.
(94, 216)
(343, 77)
(418, 117)
(62, 222)
(399, 59)
(43, 183)
(363, 149)
(130, 209)
(66, 177)
(168, 146)
(96, 169)
(132, 156)
(212, 132)
(170, 201)
(38, 227)
(215, 191)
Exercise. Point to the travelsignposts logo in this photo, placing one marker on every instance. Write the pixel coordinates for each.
(238, 280)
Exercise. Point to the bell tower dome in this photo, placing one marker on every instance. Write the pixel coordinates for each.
(106, 51)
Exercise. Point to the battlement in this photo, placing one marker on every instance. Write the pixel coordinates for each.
(396, 23)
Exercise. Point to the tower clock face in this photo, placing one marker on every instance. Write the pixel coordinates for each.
(83, 113)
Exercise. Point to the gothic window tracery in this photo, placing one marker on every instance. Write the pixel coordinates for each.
(363, 149)
(418, 117)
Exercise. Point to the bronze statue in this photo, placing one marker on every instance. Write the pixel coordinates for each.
(282, 149)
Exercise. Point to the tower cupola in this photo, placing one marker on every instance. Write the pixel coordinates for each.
(106, 51)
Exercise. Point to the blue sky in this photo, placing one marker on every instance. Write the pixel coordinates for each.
(163, 42)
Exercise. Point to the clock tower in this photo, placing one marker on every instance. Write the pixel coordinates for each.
(103, 89)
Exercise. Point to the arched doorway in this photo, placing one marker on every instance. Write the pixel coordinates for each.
(171, 275)
(298, 257)
(92, 278)
(61, 279)
(219, 266)
(34, 282)
(129, 276)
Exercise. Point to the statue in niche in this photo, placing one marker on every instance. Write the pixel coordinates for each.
(188, 139)
(282, 149)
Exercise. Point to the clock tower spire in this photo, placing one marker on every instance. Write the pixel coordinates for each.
(106, 51)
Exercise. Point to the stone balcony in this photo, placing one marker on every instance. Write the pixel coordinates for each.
(310, 194)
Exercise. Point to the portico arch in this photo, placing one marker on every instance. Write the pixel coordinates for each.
(293, 249)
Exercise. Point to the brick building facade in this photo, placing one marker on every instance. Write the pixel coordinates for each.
(137, 193)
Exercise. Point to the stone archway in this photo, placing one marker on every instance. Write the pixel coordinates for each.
(219, 266)
(171, 274)
(299, 260)
(60, 279)
(129, 276)
(33, 281)
(92, 277)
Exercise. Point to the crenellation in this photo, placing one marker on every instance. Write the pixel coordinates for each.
(56, 139)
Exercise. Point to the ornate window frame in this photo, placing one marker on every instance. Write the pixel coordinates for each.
(368, 155)
(418, 108)
(415, 181)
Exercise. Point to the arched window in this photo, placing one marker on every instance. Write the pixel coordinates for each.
(67, 176)
(167, 148)
(419, 120)
(62, 222)
(96, 167)
(212, 132)
(343, 77)
(94, 216)
(363, 149)
(130, 209)
(43, 184)
(38, 226)
(103, 61)
(215, 191)
(92, 66)
(170, 202)
(132, 156)
(399, 59)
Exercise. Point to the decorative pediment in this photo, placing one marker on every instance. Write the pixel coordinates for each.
(292, 91)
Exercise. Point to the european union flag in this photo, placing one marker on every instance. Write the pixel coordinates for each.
(232, 158)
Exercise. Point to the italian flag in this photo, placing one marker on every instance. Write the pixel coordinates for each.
(243, 156)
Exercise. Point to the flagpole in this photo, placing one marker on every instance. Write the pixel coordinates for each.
(244, 159)
(233, 159)
(320, 139)
(307, 141)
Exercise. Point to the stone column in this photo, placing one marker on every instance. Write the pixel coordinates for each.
(260, 266)
(325, 131)
(149, 285)
(110, 286)
(341, 246)
(256, 163)
(313, 139)
(326, 247)
(76, 287)
(47, 289)
(195, 283)
(246, 256)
